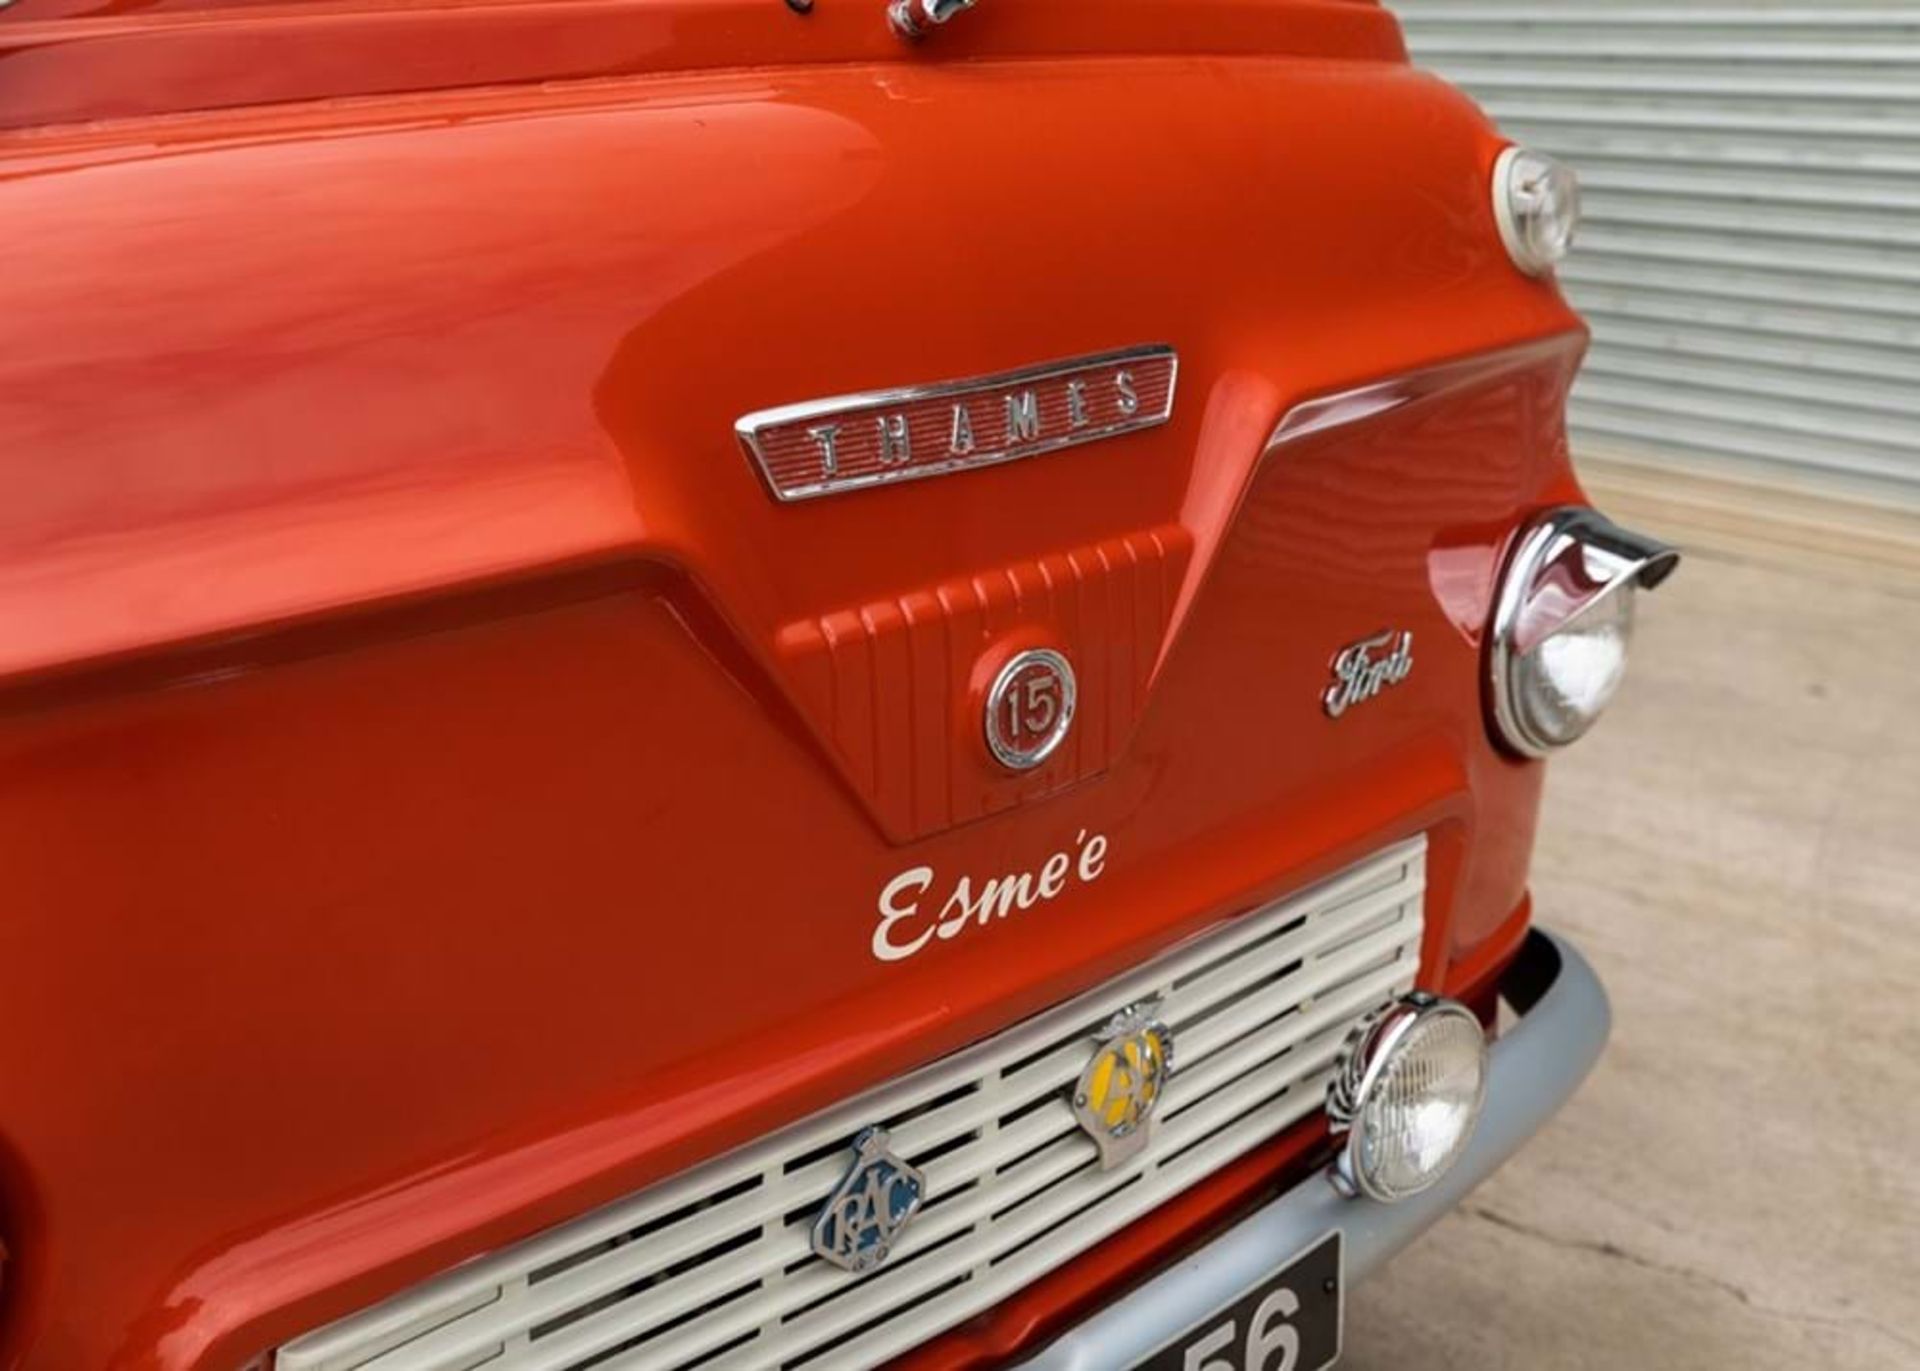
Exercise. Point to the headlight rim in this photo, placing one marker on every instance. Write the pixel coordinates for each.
(1368, 1053)
(1643, 563)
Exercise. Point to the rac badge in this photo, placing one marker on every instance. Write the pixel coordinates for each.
(822, 447)
(1363, 669)
(1121, 1087)
(877, 1198)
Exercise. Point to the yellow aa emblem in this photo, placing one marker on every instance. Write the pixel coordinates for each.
(1120, 1088)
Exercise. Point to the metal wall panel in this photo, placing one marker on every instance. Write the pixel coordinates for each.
(1750, 259)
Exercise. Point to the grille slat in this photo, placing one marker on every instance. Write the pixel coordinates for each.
(1336, 1012)
(1330, 970)
(714, 1268)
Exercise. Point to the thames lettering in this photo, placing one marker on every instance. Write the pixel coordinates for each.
(896, 443)
(827, 436)
(961, 443)
(887, 436)
(1023, 417)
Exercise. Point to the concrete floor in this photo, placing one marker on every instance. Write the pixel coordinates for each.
(1737, 847)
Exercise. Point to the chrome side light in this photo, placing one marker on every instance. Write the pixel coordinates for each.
(1562, 625)
(917, 18)
(1406, 1095)
(1536, 203)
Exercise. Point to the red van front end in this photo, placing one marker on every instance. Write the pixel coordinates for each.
(692, 683)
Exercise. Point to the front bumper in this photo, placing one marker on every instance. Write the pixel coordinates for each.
(1533, 1069)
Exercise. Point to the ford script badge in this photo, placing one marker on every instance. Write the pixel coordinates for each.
(1030, 708)
(850, 441)
(875, 1200)
(1120, 1089)
(1363, 669)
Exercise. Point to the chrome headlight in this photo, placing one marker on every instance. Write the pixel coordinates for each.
(1407, 1095)
(1563, 623)
(1536, 202)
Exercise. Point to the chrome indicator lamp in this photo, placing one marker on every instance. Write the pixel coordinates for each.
(1536, 203)
(1405, 1096)
(1562, 625)
(917, 18)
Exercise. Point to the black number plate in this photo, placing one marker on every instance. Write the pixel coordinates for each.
(1291, 1321)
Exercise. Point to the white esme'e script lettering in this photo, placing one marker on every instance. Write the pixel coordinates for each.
(905, 925)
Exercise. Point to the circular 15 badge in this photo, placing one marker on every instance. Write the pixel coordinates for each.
(1030, 708)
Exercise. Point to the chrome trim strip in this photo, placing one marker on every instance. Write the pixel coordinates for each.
(1357, 404)
(753, 428)
(1532, 1071)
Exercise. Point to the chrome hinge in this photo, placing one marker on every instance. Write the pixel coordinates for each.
(917, 18)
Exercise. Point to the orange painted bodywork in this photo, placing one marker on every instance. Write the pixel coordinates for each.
(422, 810)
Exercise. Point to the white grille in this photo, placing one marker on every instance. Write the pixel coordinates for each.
(713, 1268)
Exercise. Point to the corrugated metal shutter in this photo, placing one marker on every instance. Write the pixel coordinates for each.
(1751, 254)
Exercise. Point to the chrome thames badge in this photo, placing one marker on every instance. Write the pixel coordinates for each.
(823, 447)
(878, 1197)
(1120, 1089)
(1030, 708)
(1364, 669)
